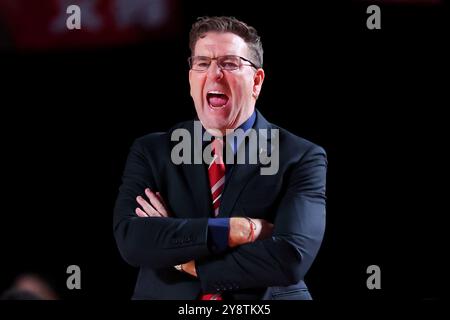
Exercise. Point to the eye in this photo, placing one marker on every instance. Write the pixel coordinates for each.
(201, 63)
(230, 65)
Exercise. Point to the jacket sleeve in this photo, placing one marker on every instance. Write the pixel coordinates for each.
(284, 258)
(152, 242)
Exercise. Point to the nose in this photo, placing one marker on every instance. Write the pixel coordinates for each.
(214, 71)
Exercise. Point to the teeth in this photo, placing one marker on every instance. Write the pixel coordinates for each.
(216, 92)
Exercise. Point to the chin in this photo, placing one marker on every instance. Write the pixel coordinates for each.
(216, 119)
(215, 124)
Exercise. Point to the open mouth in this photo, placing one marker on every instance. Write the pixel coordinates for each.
(217, 99)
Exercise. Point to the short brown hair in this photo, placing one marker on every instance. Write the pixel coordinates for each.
(228, 24)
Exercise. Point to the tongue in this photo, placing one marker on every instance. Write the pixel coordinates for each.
(218, 100)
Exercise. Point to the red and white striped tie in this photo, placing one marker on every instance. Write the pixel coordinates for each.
(216, 174)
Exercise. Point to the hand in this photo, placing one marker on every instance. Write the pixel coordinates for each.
(263, 229)
(240, 233)
(241, 230)
(156, 207)
(189, 267)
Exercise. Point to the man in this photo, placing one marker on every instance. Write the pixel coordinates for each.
(223, 228)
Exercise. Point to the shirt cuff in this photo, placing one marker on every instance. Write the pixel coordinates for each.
(218, 231)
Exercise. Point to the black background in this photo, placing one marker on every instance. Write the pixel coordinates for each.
(372, 98)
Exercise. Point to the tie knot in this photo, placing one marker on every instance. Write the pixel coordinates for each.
(217, 146)
(217, 149)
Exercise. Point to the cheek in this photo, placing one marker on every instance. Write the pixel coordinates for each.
(196, 87)
(242, 89)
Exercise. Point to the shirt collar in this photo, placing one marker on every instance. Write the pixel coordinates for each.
(235, 143)
(247, 125)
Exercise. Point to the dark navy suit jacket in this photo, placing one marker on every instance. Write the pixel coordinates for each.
(293, 199)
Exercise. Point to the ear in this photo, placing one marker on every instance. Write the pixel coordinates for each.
(258, 80)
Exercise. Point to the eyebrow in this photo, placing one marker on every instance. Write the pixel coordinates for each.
(220, 55)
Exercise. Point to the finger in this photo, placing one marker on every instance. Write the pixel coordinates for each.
(158, 194)
(149, 210)
(160, 197)
(140, 213)
(156, 203)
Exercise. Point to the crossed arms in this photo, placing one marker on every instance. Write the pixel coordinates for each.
(241, 230)
(280, 255)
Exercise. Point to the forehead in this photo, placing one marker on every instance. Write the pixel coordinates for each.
(216, 44)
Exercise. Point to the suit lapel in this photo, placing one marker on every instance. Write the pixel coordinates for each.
(199, 188)
(197, 179)
(242, 173)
